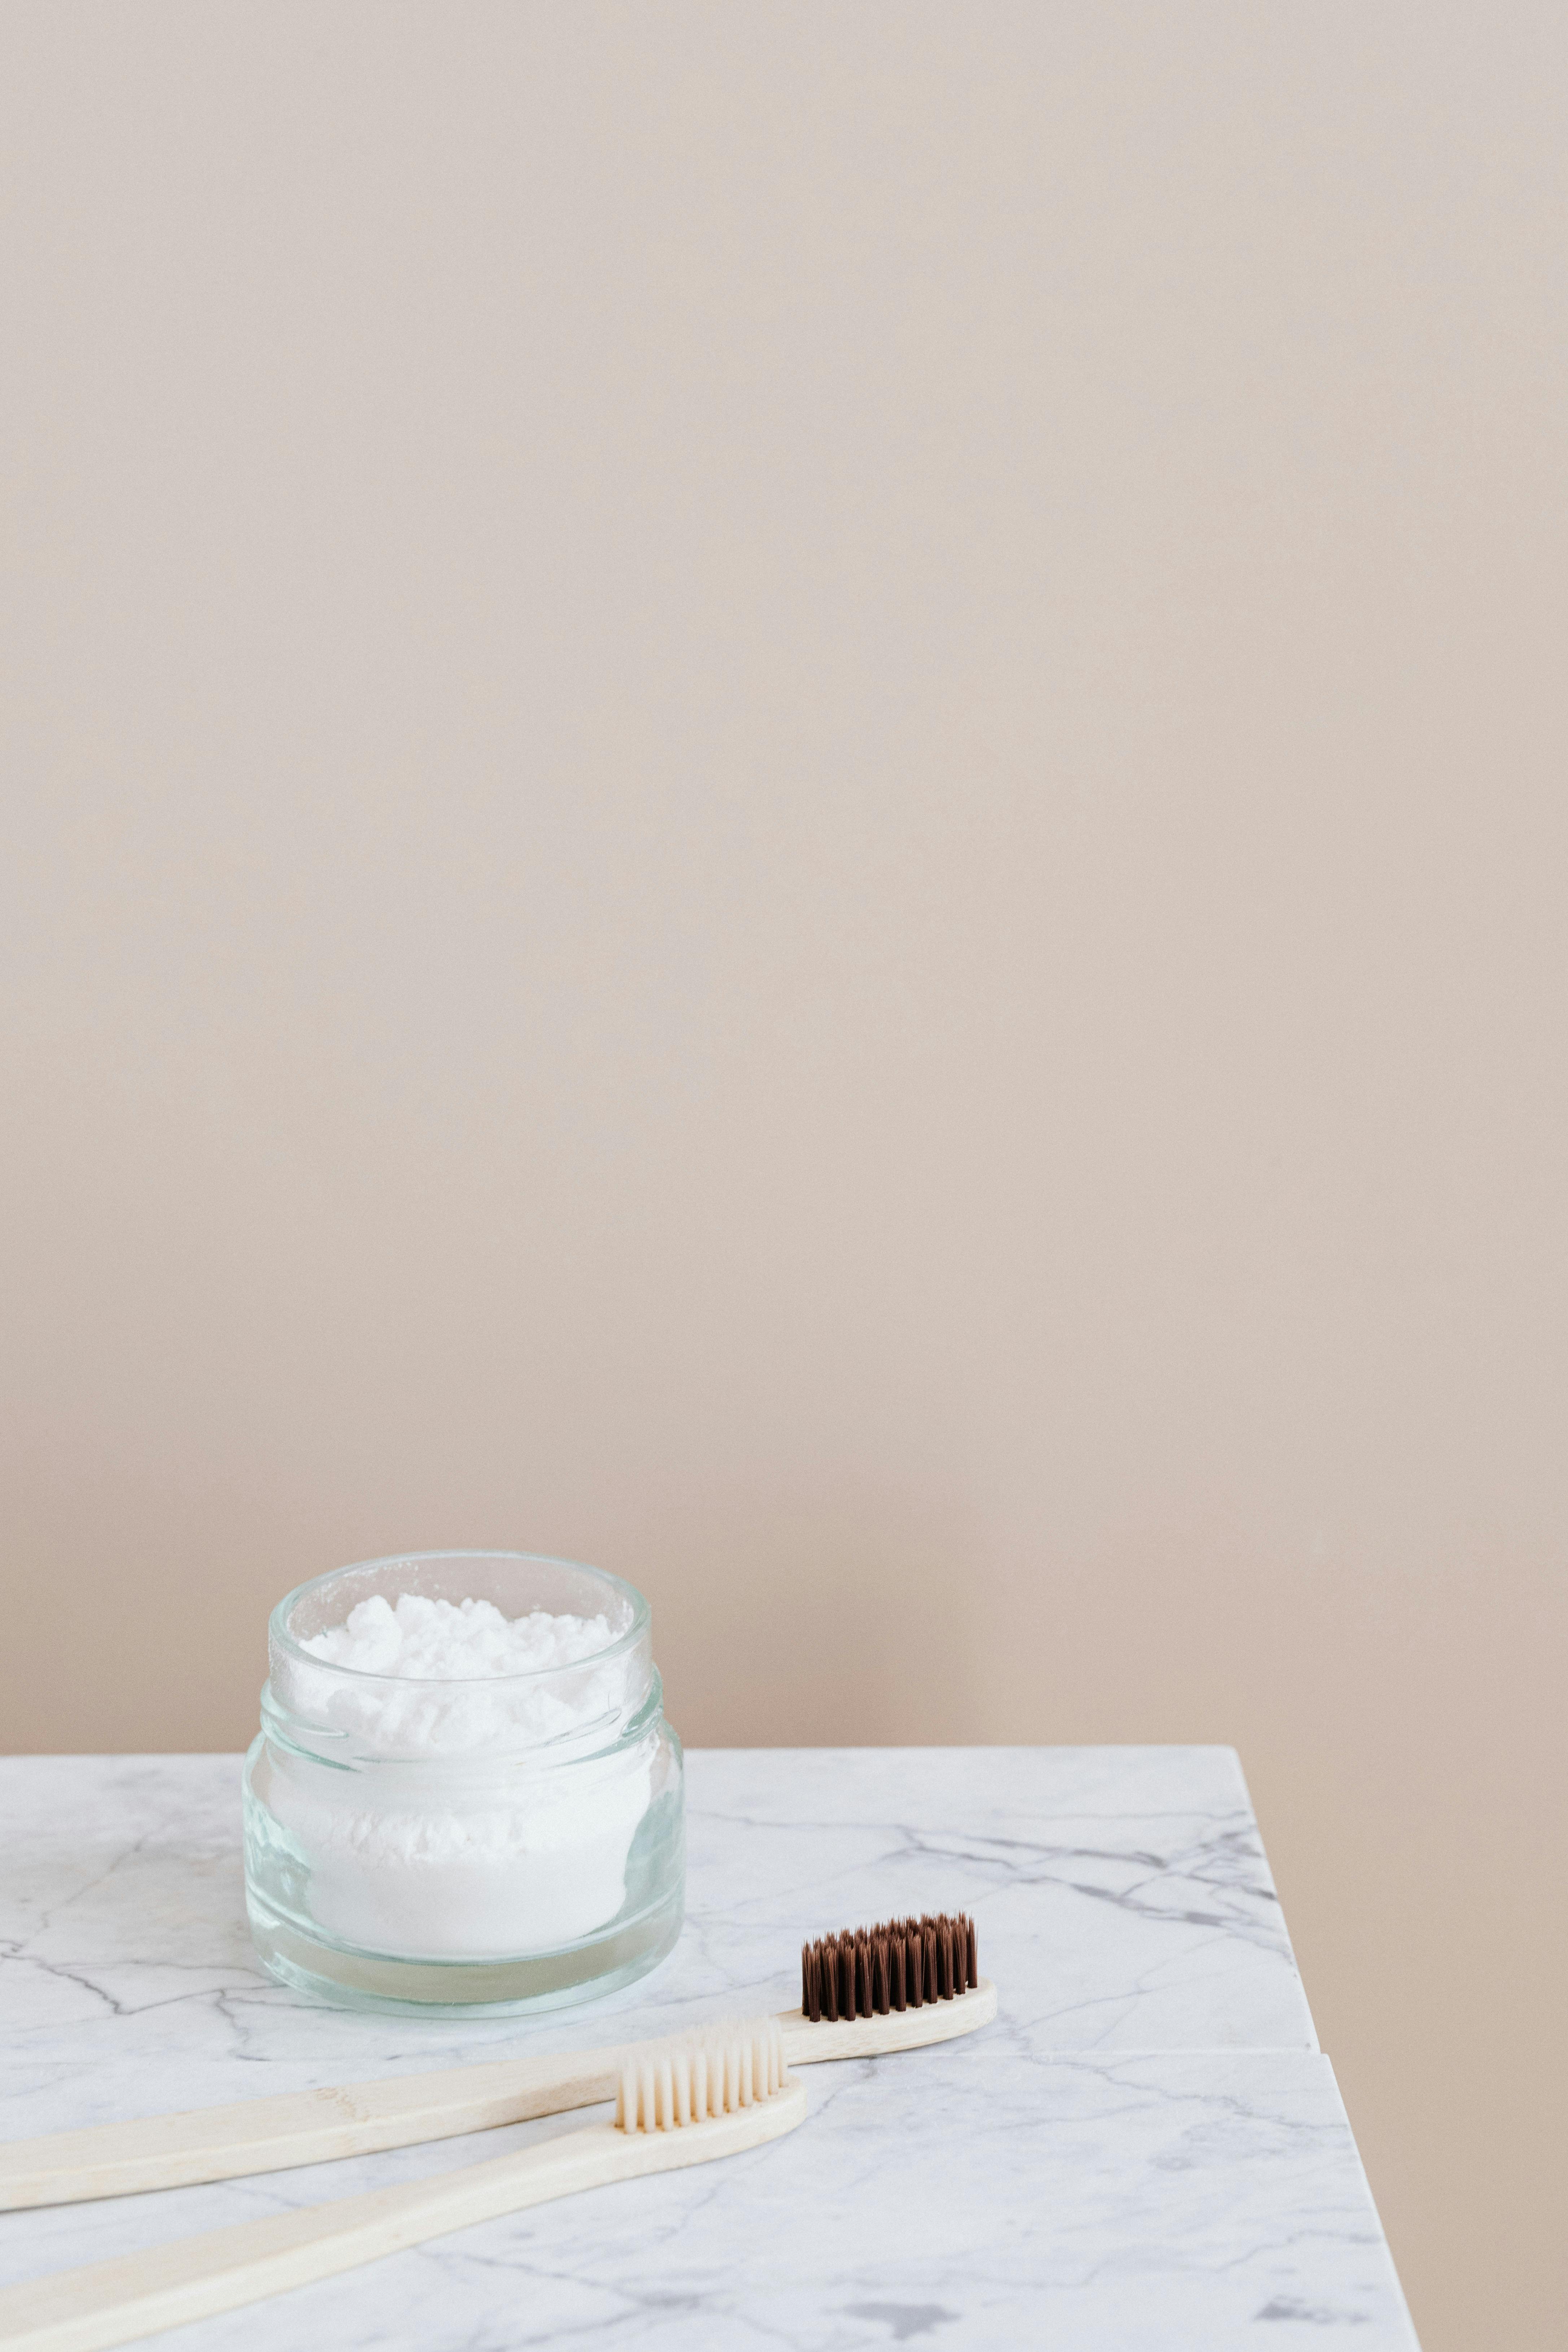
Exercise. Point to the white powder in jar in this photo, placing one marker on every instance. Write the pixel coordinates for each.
(455, 1641)
(466, 1827)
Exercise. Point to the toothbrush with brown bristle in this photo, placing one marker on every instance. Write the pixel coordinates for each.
(903, 1964)
(863, 1994)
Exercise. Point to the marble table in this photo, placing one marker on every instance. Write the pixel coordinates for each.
(1147, 2149)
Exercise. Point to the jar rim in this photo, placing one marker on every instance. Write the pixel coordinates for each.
(278, 1633)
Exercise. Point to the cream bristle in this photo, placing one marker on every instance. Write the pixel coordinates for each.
(689, 2078)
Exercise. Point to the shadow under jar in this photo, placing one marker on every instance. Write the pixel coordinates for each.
(493, 1841)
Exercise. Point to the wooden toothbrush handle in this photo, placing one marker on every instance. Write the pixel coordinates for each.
(164, 2286)
(807, 2045)
(299, 2127)
(311, 2127)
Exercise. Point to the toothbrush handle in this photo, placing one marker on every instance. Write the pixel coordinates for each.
(805, 2045)
(268, 2135)
(299, 2127)
(165, 2286)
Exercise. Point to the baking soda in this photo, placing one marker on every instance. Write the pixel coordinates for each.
(488, 1809)
(455, 1641)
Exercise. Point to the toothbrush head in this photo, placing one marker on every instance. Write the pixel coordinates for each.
(692, 2077)
(903, 1963)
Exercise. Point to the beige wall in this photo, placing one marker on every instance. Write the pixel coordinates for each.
(784, 802)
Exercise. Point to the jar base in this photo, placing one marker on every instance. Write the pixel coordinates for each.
(618, 1955)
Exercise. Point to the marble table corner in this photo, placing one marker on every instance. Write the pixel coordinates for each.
(1148, 2149)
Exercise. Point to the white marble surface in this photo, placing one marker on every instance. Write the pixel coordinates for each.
(1146, 2149)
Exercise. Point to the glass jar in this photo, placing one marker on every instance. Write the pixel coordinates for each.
(513, 1842)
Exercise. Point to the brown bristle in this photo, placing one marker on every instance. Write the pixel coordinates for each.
(899, 1964)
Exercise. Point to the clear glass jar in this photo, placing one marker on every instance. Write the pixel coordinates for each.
(516, 1841)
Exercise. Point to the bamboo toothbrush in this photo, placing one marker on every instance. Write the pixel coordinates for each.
(682, 2101)
(870, 1991)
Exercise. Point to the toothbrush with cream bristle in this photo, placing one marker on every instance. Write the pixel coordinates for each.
(863, 1994)
(686, 2100)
